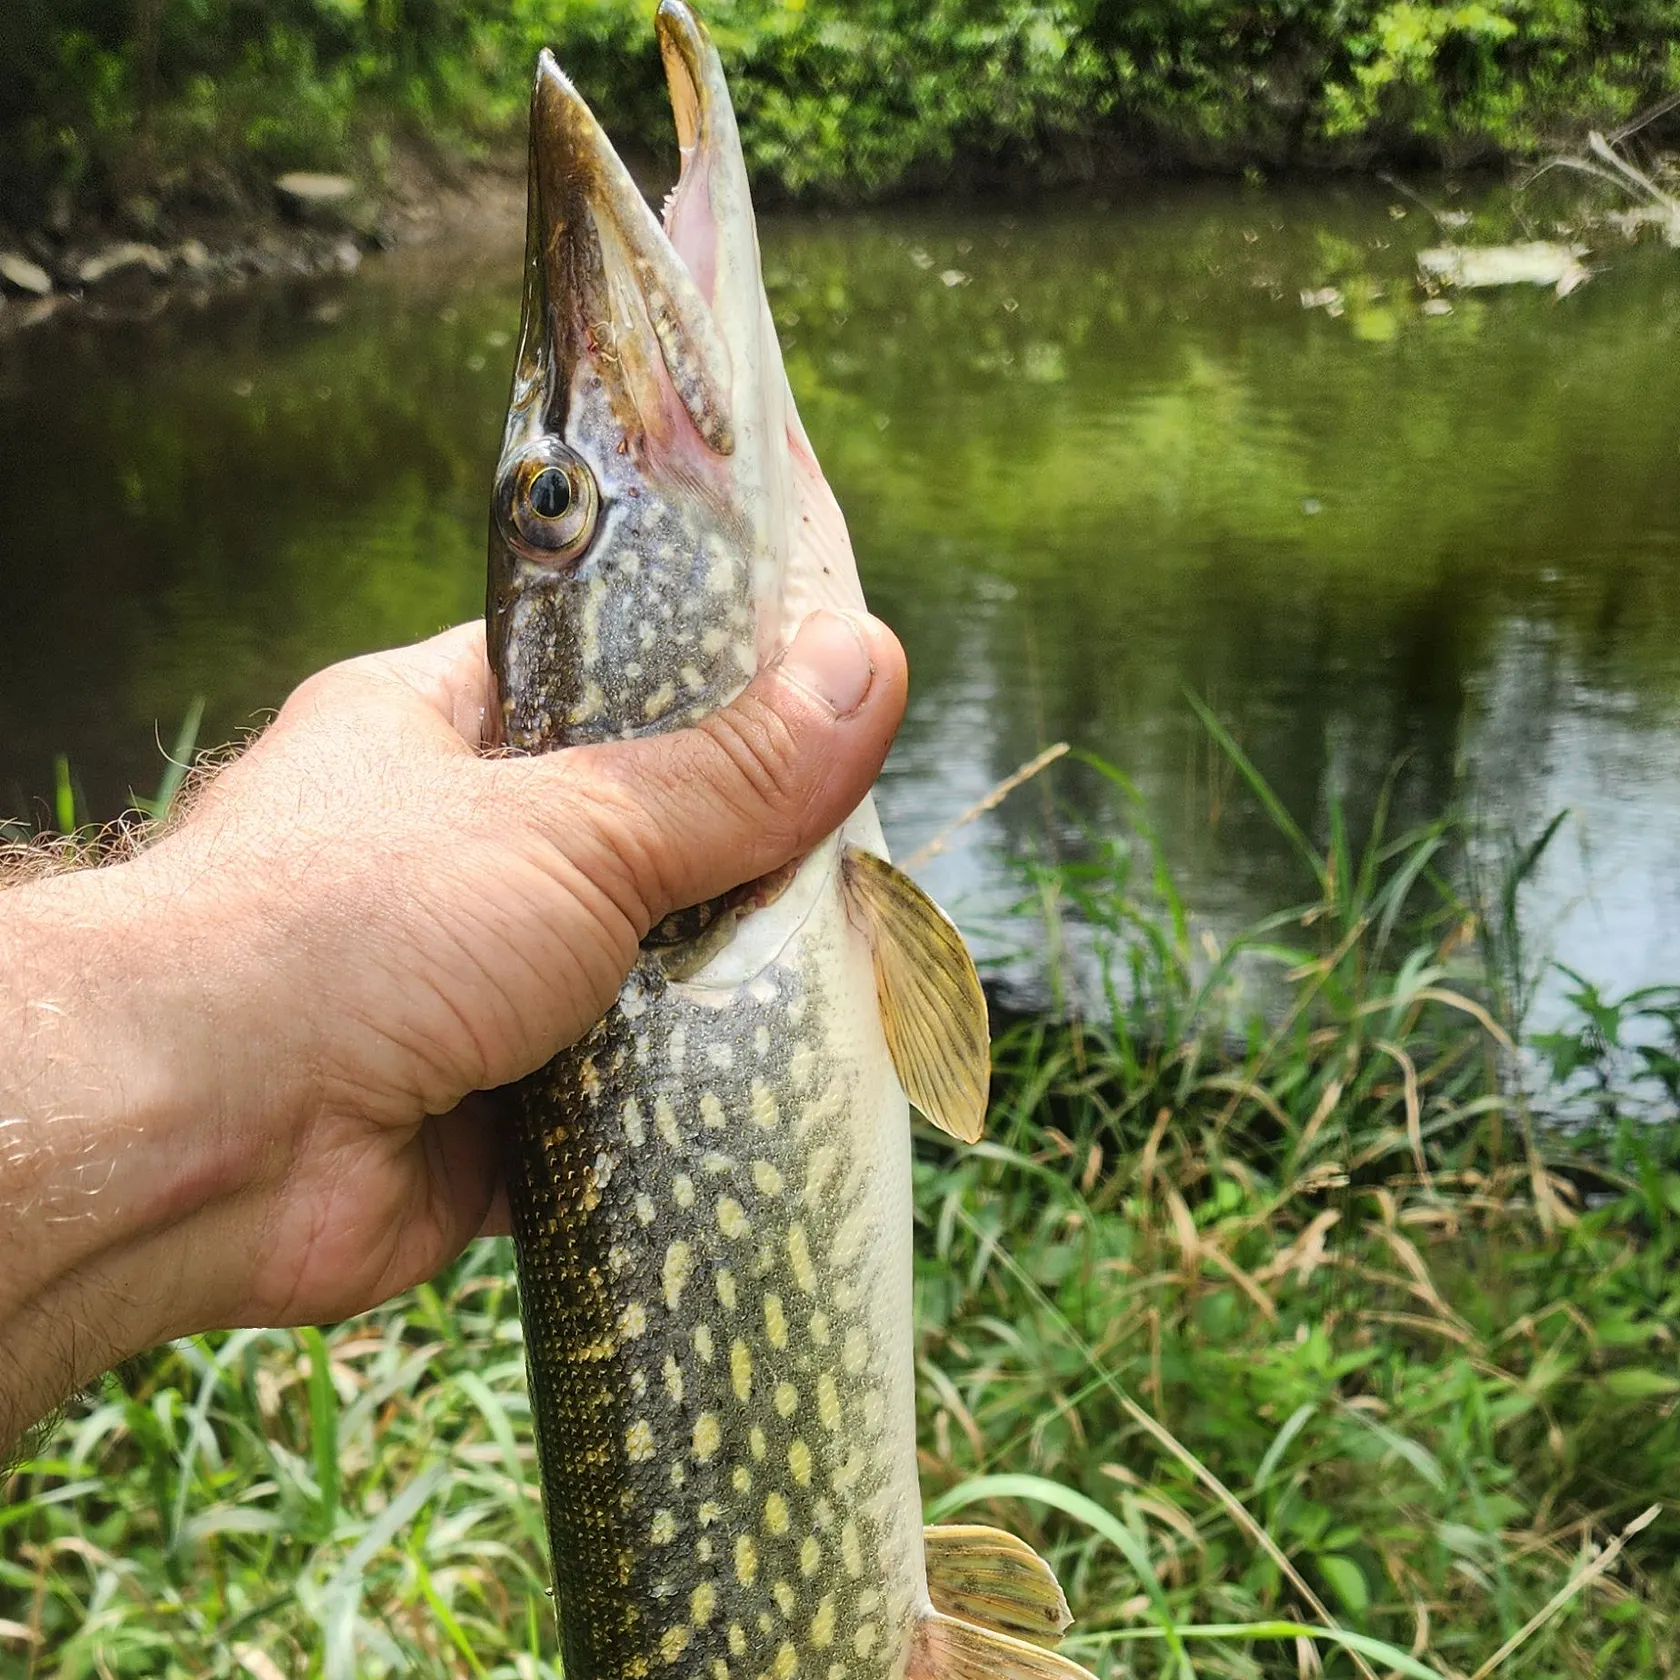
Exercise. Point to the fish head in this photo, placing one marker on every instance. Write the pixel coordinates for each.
(645, 503)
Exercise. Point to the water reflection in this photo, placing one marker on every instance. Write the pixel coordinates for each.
(1092, 458)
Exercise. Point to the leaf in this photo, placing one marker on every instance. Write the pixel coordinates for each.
(1379, 1649)
(180, 758)
(1293, 1426)
(1347, 1581)
(64, 796)
(341, 1596)
(323, 1425)
(1637, 1382)
(1626, 1332)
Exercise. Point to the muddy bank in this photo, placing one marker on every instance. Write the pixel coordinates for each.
(307, 226)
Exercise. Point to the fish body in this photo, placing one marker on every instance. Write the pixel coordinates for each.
(714, 1210)
(711, 1191)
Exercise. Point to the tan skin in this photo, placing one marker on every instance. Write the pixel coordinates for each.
(237, 1072)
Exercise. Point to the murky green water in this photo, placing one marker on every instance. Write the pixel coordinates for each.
(1093, 457)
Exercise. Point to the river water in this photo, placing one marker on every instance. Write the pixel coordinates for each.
(1096, 456)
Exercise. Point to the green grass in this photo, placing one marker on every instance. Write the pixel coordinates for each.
(1270, 1308)
(69, 828)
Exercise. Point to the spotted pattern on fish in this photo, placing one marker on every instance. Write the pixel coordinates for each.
(739, 1451)
(650, 631)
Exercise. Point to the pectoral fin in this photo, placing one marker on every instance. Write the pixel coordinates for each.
(997, 1580)
(948, 1649)
(932, 1008)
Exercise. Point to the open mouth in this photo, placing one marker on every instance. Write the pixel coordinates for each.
(611, 282)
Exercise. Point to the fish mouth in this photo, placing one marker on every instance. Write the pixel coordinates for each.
(709, 216)
(668, 318)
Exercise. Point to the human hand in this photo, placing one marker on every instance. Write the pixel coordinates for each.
(236, 1071)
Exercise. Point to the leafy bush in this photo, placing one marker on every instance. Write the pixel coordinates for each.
(118, 98)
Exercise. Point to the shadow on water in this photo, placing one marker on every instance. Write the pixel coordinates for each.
(1092, 457)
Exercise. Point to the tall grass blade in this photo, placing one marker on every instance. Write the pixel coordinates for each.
(323, 1425)
(342, 1595)
(64, 797)
(1379, 1650)
(177, 764)
(1262, 790)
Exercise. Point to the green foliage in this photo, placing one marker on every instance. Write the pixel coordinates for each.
(1625, 1054)
(141, 100)
(1325, 1255)
(1275, 1326)
(854, 98)
(1503, 72)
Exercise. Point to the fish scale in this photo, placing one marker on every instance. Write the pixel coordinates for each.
(718, 1323)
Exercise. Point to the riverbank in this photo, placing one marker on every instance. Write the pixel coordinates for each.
(312, 226)
(303, 225)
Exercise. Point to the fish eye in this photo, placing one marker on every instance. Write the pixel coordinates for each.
(551, 493)
(547, 504)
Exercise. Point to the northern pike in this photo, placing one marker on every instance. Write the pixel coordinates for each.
(711, 1191)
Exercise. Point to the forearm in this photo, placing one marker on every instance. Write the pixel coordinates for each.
(110, 1134)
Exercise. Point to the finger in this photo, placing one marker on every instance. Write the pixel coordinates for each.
(447, 672)
(464, 1193)
(480, 1117)
(760, 781)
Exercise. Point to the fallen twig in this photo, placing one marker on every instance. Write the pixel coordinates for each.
(1644, 119)
(1606, 153)
(925, 854)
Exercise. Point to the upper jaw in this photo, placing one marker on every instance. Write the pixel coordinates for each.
(672, 318)
(710, 217)
(709, 214)
(606, 291)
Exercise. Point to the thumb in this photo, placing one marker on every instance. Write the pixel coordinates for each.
(758, 782)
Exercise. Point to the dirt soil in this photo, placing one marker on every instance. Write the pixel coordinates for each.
(117, 269)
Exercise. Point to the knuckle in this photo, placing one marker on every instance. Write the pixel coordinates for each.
(327, 687)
